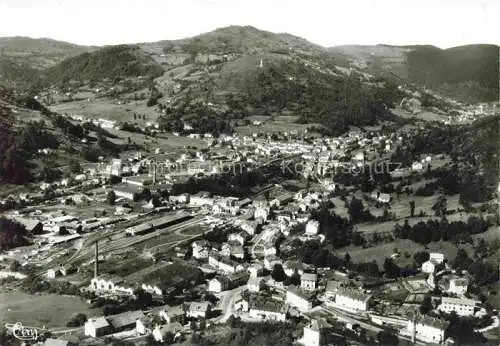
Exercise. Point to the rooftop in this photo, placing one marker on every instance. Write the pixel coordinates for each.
(353, 294)
(309, 277)
(125, 319)
(262, 303)
(459, 301)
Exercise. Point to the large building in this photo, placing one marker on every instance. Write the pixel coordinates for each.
(308, 281)
(224, 264)
(427, 329)
(352, 299)
(298, 298)
(462, 306)
(263, 308)
(458, 286)
(111, 284)
(96, 327)
(312, 333)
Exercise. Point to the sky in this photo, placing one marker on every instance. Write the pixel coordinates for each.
(443, 23)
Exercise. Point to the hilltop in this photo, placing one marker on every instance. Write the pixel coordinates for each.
(238, 71)
(468, 73)
(38, 53)
(114, 62)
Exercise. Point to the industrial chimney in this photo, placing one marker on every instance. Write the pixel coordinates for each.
(154, 172)
(96, 261)
(414, 329)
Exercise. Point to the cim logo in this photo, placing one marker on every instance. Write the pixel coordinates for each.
(24, 333)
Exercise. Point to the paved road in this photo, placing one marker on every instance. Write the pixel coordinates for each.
(227, 304)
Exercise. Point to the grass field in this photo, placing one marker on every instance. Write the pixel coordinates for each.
(380, 252)
(195, 230)
(48, 310)
(108, 109)
(270, 125)
(423, 115)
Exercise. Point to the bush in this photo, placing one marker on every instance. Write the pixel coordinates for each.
(77, 320)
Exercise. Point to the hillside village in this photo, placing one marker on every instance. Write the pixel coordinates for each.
(240, 256)
(165, 203)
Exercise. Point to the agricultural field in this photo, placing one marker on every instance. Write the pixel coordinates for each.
(40, 310)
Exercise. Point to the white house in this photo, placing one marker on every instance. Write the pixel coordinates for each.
(308, 281)
(261, 213)
(96, 327)
(417, 166)
(200, 249)
(427, 329)
(312, 227)
(218, 284)
(224, 264)
(241, 304)
(381, 197)
(435, 259)
(198, 309)
(462, 306)
(352, 299)
(171, 314)
(312, 334)
(267, 309)
(298, 298)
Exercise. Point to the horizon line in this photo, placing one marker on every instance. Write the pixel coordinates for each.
(250, 26)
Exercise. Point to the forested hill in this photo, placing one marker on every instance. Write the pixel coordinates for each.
(110, 62)
(468, 73)
(237, 71)
(38, 53)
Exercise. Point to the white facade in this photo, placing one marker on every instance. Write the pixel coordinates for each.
(417, 166)
(308, 281)
(215, 285)
(96, 327)
(429, 267)
(110, 285)
(152, 288)
(312, 227)
(352, 300)
(298, 301)
(436, 257)
(462, 306)
(261, 212)
(312, 335)
(200, 250)
(198, 309)
(427, 331)
(267, 315)
(224, 265)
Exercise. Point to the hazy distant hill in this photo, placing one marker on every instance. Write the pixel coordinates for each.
(38, 53)
(469, 73)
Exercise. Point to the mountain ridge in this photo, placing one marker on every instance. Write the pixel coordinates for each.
(444, 70)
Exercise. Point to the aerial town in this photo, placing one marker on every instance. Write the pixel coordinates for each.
(246, 187)
(167, 265)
